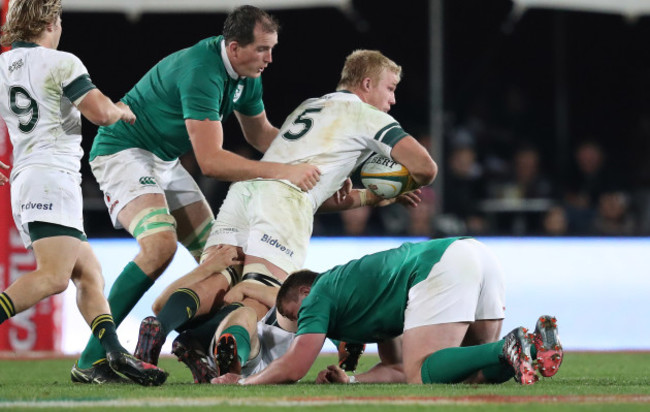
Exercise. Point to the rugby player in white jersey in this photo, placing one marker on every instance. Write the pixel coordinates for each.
(44, 90)
(271, 219)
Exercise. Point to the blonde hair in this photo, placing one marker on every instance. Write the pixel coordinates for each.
(361, 64)
(27, 19)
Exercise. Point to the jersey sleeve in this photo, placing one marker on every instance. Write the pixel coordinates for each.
(73, 77)
(200, 96)
(250, 102)
(314, 314)
(382, 130)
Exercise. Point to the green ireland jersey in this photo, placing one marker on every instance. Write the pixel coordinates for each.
(194, 83)
(363, 301)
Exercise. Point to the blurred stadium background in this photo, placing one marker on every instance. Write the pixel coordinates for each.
(537, 112)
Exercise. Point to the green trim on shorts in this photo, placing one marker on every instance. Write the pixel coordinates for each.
(40, 230)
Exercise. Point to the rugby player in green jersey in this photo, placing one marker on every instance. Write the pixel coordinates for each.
(435, 310)
(181, 104)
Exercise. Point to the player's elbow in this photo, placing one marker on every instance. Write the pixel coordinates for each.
(208, 165)
(104, 118)
(426, 173)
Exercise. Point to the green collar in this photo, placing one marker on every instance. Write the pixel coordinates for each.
(18, 44)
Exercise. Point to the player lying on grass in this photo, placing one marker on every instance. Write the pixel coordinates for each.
(443, 298)
(272, 219)
(234, 340)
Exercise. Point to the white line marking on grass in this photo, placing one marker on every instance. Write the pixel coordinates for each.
(289, 402)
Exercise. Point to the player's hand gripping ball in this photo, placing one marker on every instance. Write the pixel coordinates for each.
(385, 177)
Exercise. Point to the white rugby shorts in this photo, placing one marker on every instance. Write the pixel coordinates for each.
(130, 173)
(274, 342)
(43, 194)
(467, 284)
(269, 219)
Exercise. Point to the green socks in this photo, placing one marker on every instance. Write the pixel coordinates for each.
(453, 365)
(7, 309)
(204, 332)
(243, 341)
(127, 290)
(180, 307)
(103, 329)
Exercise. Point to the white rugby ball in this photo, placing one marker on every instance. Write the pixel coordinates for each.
(385, 177)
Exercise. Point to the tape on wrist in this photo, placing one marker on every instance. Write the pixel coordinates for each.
(363, 197)
(352, 379)
(241, 381)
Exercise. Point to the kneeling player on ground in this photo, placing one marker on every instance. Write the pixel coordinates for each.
(445, 292)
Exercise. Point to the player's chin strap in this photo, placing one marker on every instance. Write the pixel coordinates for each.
(257, 272)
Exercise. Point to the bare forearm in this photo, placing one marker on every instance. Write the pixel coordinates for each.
(228, 166)
(263, 138)
(276, 372)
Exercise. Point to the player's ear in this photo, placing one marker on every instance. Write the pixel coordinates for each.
(304, 290)
(233, 47)
(365, 83)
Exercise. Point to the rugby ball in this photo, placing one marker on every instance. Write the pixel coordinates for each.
(385, 177)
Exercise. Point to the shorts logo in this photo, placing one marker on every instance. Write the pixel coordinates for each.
(111, 205)
(147, 181)
(274, 242)
(39, 206)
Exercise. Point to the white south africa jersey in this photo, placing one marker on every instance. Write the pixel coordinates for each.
(37, 88)
(337, 133)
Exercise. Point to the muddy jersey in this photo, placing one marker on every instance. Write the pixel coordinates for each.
(38, 86)
(337, 133)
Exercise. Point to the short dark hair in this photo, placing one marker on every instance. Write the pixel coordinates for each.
(240, 24)
(289, 290)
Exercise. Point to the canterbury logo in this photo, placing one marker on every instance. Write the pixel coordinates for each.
(147, 180)
(101, 333)
(189, 311)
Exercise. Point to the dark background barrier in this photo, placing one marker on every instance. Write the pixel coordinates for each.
(520, 96)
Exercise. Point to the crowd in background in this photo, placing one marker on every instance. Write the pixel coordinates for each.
(505, 170)
(486, 191)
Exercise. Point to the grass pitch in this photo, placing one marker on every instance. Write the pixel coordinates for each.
(586, 381)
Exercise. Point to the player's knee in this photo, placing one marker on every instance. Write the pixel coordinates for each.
(155, 231)
(158, 304)
(247, 318)
(158, 250)
(57, 282)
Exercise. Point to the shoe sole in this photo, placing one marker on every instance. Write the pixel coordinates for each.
(525, 370)
(201, 372)
(226, 354)
(147, 349)
(145, 375)
(547, 343)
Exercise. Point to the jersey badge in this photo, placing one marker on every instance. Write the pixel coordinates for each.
(240, 89)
